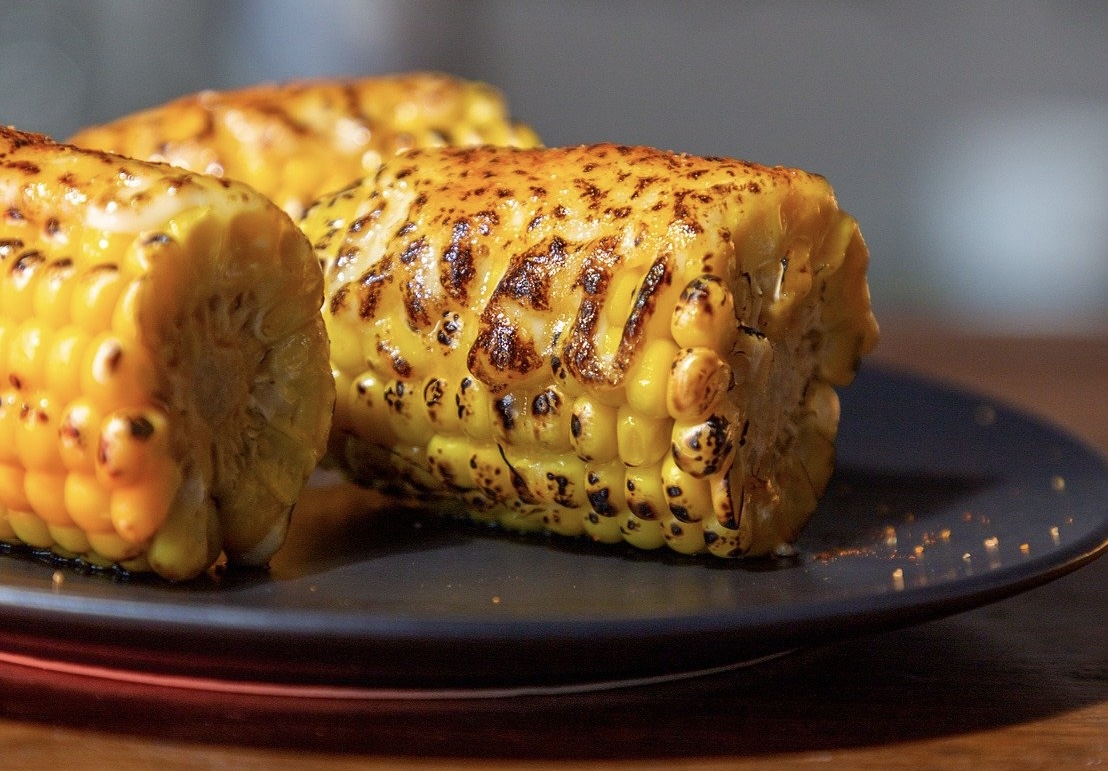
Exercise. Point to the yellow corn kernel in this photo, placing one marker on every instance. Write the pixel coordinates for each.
(704, 316)
(688, 498)
(550, 414)
(440, 405)
(448, 458)
(11, 407)
(63, 363)
(7, 534)
(29, 528)
(187, 542)
(646, 497)
(45, 492)
(405, 412)
(648, 380)
(94, 297)
(12, 489)
(18, 293)
(36, 440)
(491, 473)
(698, 381)
(642, 440)
(88, 502)
(79, 435)
(27, 348)
(114, 374)
(474, 409)
(69, 540)
(112, 548)
(53, 293)
(129, 446)
(138, 510)
(593, 430)
(703, 449)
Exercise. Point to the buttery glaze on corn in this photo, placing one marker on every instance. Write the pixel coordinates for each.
(165, 389)
(612, 341)
(298, 140)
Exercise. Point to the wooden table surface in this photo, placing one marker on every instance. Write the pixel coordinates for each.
(1019, 684)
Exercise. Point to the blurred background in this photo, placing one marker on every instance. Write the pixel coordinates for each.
(969, 139)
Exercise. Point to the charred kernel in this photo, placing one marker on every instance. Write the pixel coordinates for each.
(505, 409)
(698, 379)
(141, 428)
(600, 500)
(545, 403)
(702, 449)
(705, 316)
(448, 329)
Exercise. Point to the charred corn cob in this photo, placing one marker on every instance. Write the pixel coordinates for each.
(165, 389)
(296, 141)
(610, 341)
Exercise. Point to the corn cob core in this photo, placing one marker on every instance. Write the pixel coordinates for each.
(612, 341)
(298, 140)
(164, 381)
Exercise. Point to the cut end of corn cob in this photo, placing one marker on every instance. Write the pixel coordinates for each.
(608, 341)
(298, 140)
(165, 389)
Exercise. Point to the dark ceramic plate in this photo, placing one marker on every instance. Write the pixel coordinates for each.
(942, 501)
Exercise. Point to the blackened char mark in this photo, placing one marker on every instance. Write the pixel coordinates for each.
(529, 275)
(458, 270)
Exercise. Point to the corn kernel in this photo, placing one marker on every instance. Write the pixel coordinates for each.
(12, 488)
(642, 440)
(30, 528)
(45, 491)
(88, 503)
(94, 297)
(648, 381)
(138, 511)
(704, 316)
(699, 380)
(37, 440)
(79, 435)
(63, 363)
(593, 430)
(53, 293)
(68, 540)
(27, 354)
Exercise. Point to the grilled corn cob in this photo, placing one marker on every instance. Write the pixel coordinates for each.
(608, 341)
(296, 141)
(165, 389)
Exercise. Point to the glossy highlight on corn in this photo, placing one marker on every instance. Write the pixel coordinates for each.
(614, 342)
(297, 140)
(165, 389)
